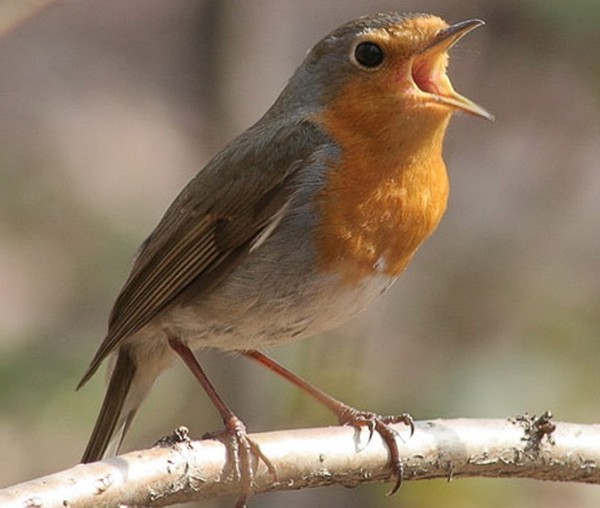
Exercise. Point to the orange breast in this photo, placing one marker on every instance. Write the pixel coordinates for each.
(386, 194)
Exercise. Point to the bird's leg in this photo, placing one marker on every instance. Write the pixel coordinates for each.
(347, 415)
(241, 447)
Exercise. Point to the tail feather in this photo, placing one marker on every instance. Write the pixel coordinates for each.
(120, 405)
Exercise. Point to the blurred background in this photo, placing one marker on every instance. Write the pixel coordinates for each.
(108, 108)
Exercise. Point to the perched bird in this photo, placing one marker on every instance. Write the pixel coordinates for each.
(297, 225)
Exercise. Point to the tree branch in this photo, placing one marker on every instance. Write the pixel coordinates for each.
(179, 470)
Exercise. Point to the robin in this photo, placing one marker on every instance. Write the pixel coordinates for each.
(294, 227)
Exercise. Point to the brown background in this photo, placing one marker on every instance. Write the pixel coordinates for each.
(107, 109)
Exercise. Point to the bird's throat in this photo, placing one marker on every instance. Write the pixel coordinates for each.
(379, 204)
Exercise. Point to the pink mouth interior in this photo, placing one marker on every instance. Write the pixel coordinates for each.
(425, 77)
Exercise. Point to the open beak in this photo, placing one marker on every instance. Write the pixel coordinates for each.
(429, 70)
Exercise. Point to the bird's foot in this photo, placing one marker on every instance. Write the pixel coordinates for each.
(382, 425)
(242, 452)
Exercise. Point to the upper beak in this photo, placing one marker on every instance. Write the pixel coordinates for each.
(449, 36)
(429, 69)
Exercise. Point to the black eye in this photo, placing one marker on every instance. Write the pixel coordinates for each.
(369, 55)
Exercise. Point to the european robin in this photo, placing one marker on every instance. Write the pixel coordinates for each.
(297, 225)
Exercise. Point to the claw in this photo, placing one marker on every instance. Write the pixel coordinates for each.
(381, 424)
(371, 426)
(241, 449)
(404, 418)
(398, 472)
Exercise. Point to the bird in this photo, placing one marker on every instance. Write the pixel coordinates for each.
(297, 225)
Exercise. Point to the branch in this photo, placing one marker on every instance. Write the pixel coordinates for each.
(180, 471)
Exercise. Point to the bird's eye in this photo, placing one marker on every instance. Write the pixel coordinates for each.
(368, 55)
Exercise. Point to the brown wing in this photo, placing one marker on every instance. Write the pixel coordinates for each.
(209, 228)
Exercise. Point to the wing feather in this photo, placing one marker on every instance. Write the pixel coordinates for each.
(210, 227)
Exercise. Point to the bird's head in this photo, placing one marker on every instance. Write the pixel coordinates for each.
(394, 62)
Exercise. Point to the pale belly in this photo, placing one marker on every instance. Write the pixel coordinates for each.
(233, 318)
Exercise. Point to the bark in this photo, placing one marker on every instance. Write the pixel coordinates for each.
(179, 470)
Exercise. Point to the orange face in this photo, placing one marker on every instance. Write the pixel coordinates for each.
(405, 66)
